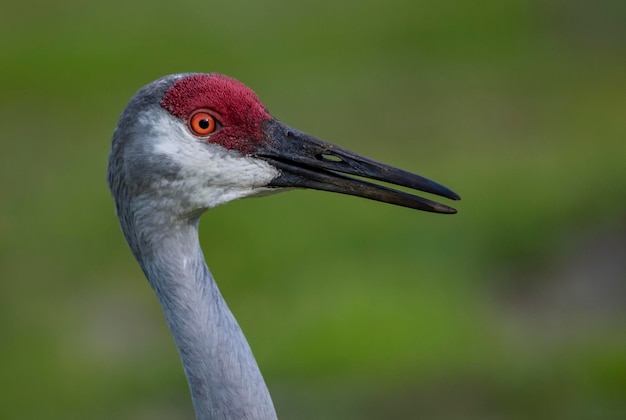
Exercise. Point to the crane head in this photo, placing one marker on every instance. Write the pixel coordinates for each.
(195, 141)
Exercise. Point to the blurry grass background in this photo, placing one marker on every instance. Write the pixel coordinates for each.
(513, 309)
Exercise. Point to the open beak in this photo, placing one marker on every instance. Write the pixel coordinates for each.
(307, 162)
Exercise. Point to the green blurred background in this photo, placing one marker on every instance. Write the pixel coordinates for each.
(515, 308)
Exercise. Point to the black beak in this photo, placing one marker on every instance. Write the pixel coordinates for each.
(307, 162)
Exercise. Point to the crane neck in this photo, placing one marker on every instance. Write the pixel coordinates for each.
(223, 376)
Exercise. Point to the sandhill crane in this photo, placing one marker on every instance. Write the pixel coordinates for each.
(186, 143)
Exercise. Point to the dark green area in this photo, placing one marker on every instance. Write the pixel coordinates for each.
(512, 309)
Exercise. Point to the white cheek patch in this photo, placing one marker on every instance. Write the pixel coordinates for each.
(210, 174)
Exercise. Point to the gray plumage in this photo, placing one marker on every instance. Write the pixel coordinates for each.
(223, 376)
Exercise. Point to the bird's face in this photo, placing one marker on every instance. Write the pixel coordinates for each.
(199, 140)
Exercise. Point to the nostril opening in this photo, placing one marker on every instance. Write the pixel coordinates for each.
(329, 158)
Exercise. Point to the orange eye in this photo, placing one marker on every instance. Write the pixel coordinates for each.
(202, 123)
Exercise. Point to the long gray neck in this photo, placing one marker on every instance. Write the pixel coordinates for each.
(224, 379)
